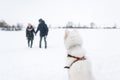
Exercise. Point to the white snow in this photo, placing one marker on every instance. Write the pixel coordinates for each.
(18, 62)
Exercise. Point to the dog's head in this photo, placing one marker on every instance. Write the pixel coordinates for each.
(72, 38)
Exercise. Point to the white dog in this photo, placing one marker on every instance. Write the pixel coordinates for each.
(78, 66)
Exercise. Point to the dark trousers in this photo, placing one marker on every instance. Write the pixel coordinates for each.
(30, 43)
(44, 41)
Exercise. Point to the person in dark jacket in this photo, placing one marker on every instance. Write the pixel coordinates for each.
(30, 35)
(42, 27)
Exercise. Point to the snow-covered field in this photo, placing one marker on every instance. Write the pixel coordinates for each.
(18, 62)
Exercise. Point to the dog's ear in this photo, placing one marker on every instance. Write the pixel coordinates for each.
(66, 34)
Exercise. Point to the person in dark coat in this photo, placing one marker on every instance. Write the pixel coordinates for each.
(30, 35)
(42, 27)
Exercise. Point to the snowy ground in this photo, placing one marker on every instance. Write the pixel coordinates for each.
(18, 62)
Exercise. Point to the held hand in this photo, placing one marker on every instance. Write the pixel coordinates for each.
(35, 33)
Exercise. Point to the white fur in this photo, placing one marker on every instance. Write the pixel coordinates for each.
(80, 70)
(71, 38)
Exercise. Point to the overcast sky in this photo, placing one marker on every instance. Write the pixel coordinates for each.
(59, 12)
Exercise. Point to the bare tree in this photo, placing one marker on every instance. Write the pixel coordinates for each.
(92, 25)
(3, 24)
(19, 27)
(69, 24)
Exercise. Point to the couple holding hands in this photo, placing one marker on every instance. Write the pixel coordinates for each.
(42, 27)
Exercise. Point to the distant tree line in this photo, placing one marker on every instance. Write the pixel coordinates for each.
(91, 26)
(6, 27)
